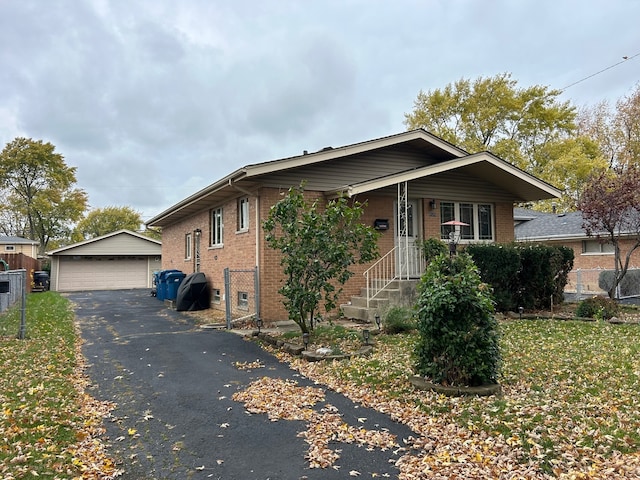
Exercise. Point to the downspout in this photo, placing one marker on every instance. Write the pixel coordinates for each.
(257, 242)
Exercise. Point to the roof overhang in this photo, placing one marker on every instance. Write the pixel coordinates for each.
(522, 186)
(419, 136)
(249, 175)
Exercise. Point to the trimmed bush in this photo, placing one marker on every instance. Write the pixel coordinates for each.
(528, 275)
(601, 308)
(398, 320)
(499, 266)
(458, 342)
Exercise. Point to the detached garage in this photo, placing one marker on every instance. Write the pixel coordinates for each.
(118, 260)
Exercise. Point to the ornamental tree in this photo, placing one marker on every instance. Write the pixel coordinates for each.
(610, 206)
(319, 243)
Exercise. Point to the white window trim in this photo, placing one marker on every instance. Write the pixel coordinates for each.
(243, 215)
(243, 303)
(188, 246)
(476, 223)
(592, 254)
(215, 242)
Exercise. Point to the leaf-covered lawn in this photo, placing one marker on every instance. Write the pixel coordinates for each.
(48, 425)
(569, 407)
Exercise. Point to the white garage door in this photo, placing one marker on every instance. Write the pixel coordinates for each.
(102, 273)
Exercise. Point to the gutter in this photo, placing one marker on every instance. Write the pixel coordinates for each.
(197, 196)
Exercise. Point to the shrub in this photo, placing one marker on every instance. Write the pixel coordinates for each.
(398, 320)
(433, 247)
(499, 266)
(458, 334)
(630, 284)
(524, 275)
(602, 308)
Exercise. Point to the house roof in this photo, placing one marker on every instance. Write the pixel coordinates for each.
(4, 240)
(81, 246)
(442, 156)
(534, 226)
(542, 226)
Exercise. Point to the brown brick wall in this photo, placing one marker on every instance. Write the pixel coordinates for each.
(239, 250)
(602, 261)
(504, 223)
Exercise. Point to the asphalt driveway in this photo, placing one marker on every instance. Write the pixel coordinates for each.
(175, 418)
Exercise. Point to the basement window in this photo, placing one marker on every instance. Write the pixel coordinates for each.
(243, 300)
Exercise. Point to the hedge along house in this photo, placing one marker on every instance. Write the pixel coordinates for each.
(412, 183)
(593, 255)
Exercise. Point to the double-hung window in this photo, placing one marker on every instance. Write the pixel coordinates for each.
(216, 228)
(591, 247)
(243, 214)
(187, 246)
(476, 217)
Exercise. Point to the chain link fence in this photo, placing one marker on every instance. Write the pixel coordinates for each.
(12, 286)
(584, 283)
(242, 296)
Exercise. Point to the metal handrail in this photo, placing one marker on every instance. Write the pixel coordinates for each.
(380, 274)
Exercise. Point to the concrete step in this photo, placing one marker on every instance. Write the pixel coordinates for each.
(386, 293)
(355, 313)
(373, 303)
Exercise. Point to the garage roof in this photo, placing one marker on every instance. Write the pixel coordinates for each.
(121, 242)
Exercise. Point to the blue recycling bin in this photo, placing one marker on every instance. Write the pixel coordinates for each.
(161, 283)
(173, 281)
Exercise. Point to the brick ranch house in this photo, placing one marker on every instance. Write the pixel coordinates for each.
(412, 182)
(591, 255)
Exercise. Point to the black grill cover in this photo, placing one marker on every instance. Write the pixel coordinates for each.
(193, 293)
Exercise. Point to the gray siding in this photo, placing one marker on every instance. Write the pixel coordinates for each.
(337, 173)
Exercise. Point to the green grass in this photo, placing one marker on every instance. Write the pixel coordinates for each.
(43, 417)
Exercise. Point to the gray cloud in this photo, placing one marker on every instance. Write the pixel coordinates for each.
(152, 100)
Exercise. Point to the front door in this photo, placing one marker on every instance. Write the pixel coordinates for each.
(408, 258)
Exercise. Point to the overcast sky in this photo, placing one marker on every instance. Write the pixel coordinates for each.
(153, 100)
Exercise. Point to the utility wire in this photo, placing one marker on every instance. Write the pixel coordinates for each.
(624, 59)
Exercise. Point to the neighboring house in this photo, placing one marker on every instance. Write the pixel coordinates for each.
(412, 182)
(592, 254)
(118, 260)
(15, 245)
